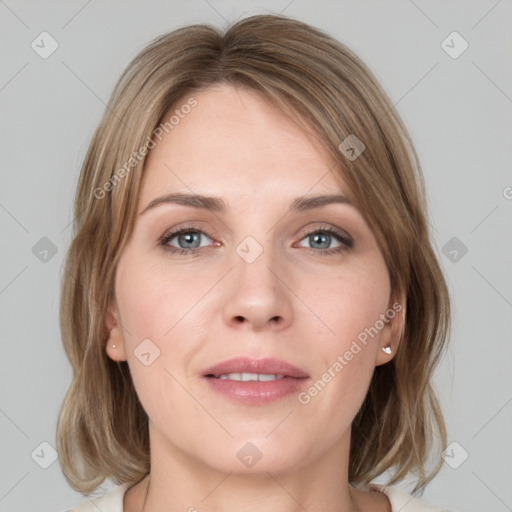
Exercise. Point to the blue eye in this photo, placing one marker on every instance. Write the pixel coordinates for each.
(188, 240)
(321, 238)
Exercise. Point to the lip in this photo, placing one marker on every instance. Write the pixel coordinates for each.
(249, 365)
(256, 392)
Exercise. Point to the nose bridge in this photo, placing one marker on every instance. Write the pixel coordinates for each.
(256, 264)
(258, 295)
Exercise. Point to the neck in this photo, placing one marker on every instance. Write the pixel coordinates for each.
(179, 482)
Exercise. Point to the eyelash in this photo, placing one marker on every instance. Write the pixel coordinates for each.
(345, 240)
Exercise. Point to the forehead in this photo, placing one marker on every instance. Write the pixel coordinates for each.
(234, 143)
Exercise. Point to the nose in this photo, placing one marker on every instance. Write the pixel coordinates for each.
(259, 297)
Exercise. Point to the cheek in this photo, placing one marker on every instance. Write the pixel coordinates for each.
(351, 301)
(165, 320)
(158, 341)
(156, 299)
(346, 344)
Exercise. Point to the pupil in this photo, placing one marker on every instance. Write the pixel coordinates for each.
(318, 239)
(188, 238)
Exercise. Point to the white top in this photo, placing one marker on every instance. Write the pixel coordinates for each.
(400, 501)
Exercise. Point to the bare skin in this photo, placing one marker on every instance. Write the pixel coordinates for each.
(293, 302)
(365, 501)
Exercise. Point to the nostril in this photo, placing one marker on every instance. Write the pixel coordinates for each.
(239, 319)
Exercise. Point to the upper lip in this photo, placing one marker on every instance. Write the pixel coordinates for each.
(266, 365)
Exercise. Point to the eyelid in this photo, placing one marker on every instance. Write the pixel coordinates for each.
(343, 234)
(188, 226)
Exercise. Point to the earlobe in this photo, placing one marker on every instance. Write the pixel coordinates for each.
(392, 333)
(115, 343)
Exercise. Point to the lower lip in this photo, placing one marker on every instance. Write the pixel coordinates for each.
(257, 392)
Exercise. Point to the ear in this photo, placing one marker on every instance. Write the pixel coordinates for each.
(115, 346)
(392, 331)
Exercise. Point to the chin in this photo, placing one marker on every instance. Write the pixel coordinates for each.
(255, 456)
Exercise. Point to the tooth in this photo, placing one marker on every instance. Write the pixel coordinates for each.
(250, 377)
(264, 377)
(233, 376)
(245, 377)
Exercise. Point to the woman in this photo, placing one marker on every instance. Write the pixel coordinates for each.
(251, 304)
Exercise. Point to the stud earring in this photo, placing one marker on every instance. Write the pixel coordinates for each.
(113, 346)
(386, 349)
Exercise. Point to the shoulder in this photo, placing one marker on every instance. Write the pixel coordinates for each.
(403, 502)
(110, 502)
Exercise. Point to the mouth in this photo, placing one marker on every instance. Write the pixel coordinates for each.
(246, 368)
(248, 377)
(255, 381)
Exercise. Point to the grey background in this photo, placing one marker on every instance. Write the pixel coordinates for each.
(457, 110)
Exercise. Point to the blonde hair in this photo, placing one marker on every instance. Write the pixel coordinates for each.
(102, 427)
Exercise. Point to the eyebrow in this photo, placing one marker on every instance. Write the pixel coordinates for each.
(216, 204)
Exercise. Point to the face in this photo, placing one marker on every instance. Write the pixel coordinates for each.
(198, 284)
